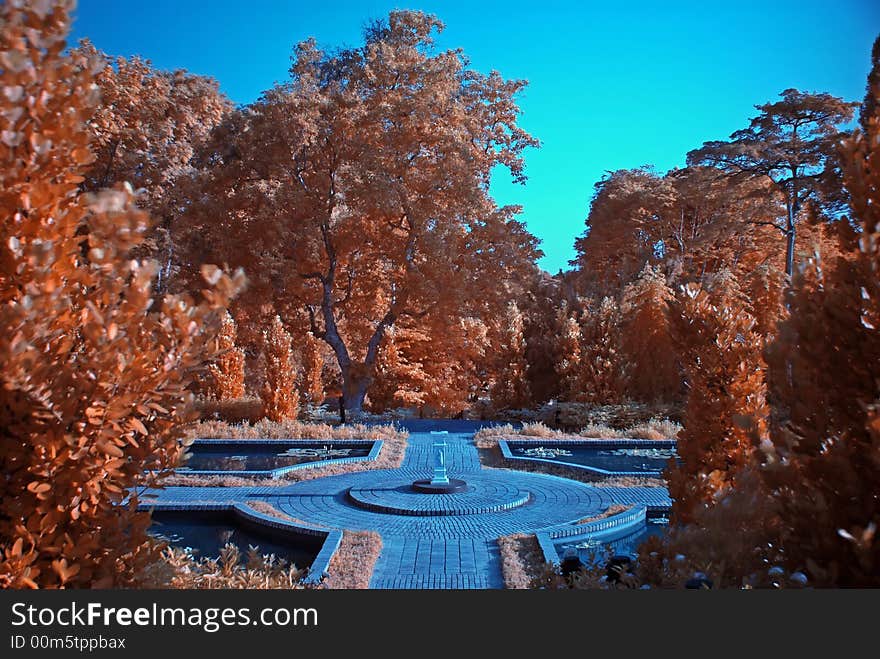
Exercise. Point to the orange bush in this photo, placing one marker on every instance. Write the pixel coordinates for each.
(95, 374)
(726, 410)
(646, 342)
(600, 376)
(823, 467)
(226, 379)
(311, 382)
(278, 393)
(568, 353)
(588, 354)
(511, 388)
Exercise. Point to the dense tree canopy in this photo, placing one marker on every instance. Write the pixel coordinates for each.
(357, 192)
(790, 143)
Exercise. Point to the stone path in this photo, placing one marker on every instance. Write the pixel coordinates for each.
(432, 541)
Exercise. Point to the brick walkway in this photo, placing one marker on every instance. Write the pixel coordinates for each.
(420, 550)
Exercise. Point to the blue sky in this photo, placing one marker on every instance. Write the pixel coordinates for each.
(612, 85)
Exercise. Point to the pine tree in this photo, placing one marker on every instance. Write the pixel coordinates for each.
(511, 388)
(646, 342)
(311, 382)
(226, 380)
(726, 412)
(279, 393)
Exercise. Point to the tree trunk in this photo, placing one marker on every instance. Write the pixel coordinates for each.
(790, 236)
(789, 251)
(792, 206)
(354, 389)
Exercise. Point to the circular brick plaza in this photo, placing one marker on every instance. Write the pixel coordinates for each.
(498, 502)
(430, 540)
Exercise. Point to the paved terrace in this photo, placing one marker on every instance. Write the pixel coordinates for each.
(432, 541)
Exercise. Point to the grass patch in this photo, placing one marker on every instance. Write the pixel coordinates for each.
(522, 561)
(265, 429)
(178, 568)
(492, 458)
(268, 509)
(390, 456)
(352, 565)
(654, 428)
(613, 509)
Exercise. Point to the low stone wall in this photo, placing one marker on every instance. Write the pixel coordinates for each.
(599, 530)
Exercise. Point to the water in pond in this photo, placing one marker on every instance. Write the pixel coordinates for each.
(254, 456)
(206, 532)
(609, 459)
(626, 544)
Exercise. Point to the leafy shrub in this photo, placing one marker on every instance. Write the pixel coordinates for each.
(95, 373)
(227, 370)
(180, 569)
(725, 415)
(278, 393)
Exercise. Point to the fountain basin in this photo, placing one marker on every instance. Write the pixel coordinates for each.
(451, 486)
(481, 494)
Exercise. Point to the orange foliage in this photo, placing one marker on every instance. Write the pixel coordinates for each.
(824, 463)
(646, 341)
(311, 383)
(434, 370)
(511, 388)
(278, 393)
(689, 221)
(568, 353)
(95, 374)
(356, 194)
(726, 411)
(599, 375)
(615, 248)
(145, 131)
(588, 353)
(787, 145)
(226, 380)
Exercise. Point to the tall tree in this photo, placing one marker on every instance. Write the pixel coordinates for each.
(358, 192)
(869, 105)
(511, 387)
(618, 240)
(145, 131)
(279, 393)
(690, 221)
(225, 379)
(646, 341)
(788, 143)
(824, 374)
(540, 306)
(568, 354)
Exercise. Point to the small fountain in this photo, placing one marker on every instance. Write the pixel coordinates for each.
(440, 483)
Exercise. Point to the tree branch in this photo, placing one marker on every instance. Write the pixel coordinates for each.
(766, 223)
